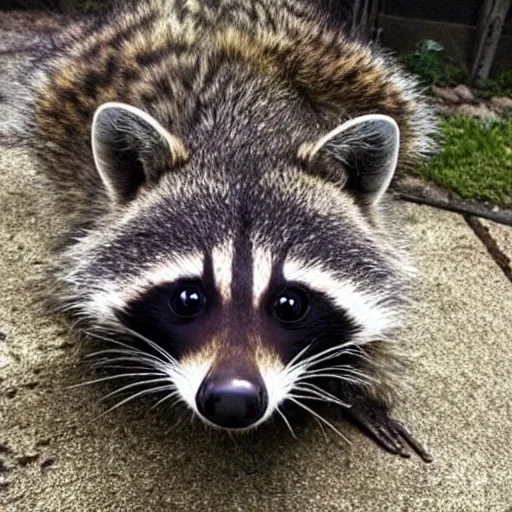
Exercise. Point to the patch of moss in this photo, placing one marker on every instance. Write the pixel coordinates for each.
(476, 162)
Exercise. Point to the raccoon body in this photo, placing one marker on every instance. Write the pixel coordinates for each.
(222, 167)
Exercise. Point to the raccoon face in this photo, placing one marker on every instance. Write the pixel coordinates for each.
(243, 290)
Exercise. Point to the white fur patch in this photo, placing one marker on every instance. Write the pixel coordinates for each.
(188, 378)
(262, 272)
(116, 294)
(222, 256)
(278, 381)
(190, 373)
(363, 306)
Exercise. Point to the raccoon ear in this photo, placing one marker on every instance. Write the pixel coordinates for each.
(360, 155)
(130, 148)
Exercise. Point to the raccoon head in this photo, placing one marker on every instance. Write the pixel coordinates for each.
(246, 282)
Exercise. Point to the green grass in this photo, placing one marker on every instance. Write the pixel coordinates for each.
(476, 162)
(500, 85)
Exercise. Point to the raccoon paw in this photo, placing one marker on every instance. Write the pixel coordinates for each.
(373, 418)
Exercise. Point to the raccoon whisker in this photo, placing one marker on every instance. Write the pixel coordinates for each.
(119, 353)
(123, 352)
(177, 423)
(343, 378)
(318, 395)
(109, 340)
(337, 350)
(126, 352)
(106, 366)
(134, 385)
(328, 353)
(322, 428)
(132, 397)
(312, 388)
(306, 366)
(360, 382)
(111, 377)
(357, 353)
(347, 379)
(348, 372)
(347, 367)
(165, 398)
(167, 357)
(309, 397)
(287, 423)
(326, 357)
(129, 347)
(344, 369)
(140, 357)
(114, 341)
(291, 363)
(232, 438)
(118, 363)
(152, 344)
(142, 364)
(177, 401)
(321, 418)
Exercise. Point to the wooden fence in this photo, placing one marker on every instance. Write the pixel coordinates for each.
(472, 31)
(477, 34)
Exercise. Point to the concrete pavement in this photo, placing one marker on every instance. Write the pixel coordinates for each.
(53, 458)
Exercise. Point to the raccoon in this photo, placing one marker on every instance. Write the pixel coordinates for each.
(222, 167)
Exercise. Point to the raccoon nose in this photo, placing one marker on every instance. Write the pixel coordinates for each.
(231, 402)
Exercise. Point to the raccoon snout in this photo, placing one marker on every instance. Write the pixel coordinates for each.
(231, 402)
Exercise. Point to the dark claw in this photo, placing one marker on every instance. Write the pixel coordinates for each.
(392, 435)
(413, 443)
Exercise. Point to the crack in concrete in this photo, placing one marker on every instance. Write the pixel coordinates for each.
(482, 232)
(462, 207)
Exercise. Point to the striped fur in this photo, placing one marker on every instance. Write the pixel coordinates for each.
(246, 189)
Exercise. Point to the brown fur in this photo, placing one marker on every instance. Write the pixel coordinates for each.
(129, 61)
(161, 57)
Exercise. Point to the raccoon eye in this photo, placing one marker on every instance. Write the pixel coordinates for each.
(291, 305)
(188, 300)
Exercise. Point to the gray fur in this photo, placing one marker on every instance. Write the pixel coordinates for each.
(243, 86)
